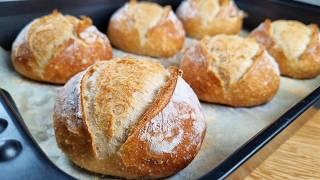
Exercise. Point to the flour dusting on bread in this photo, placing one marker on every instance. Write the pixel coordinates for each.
(22, 36)
(146, 28)
(55, 47)
(166, 131)
(292, 37)
(232, 56)
(110, 115)
(69, 103)
(134, 114)
(186, 11)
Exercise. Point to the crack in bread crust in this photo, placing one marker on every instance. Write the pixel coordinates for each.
(49, 45)
(121, 91)
(255, 84)
(304, 62)
(208, 10)
(160, 101)
(230, 57)
(137, 18)
(173, 126)
(173, 101)
(212, 17)
(292, 37)
(88, 89)
(48, 29)
(146, 28)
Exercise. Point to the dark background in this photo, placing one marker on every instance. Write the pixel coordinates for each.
(14, 15)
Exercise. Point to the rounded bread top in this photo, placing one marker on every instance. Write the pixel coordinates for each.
(230, 56)
(293, 37)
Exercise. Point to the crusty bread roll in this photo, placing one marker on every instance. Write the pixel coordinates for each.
(232, 70)
(295, 46)
(129, 118)
(210, 17)
(55, 47)
(146, 28)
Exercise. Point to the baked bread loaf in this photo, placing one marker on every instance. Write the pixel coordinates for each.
(295, 46)
(232, 70)
(129, 118)
(210, 17)
(55, 47)
(146, 28)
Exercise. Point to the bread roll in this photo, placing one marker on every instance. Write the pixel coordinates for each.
(129, 118)
(55, 47)
(295, 46)
(210, 17)
(146, 28)
(231, 70)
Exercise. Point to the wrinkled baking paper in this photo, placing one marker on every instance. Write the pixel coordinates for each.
(227, 128)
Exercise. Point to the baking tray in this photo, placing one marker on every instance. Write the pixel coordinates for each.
(14, 15)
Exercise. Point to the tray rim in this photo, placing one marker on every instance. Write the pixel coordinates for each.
(227, 166)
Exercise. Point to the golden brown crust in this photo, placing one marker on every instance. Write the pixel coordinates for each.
(257, 85)
(136, 152)
(174, 120)
(146, 28)
(65, 113)
(55, 47)
(307, 65)
(211, 17)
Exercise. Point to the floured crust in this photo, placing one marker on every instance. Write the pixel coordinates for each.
(172, 120)
(146, 28)
(231, 56)
(55, 47)
(122, 91)
(297, 51)
(211, 17)
(257, 84)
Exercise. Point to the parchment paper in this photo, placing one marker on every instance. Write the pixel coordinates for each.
(227, 128)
